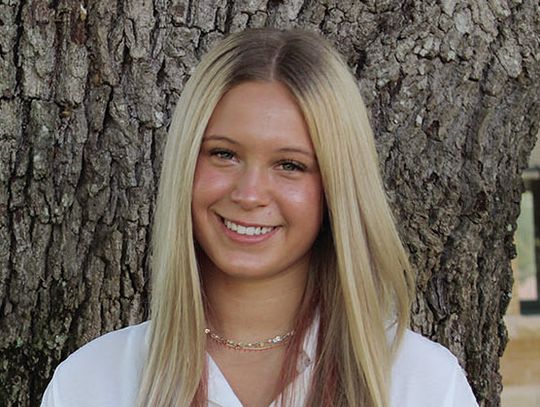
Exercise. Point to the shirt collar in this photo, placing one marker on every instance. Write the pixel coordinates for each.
(309, 345)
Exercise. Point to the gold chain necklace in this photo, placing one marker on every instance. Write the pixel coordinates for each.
(250, 346)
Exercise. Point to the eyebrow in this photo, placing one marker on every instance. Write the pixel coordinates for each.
(220, 138)
(298, 150)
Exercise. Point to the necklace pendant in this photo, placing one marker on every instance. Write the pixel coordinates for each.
(249, 346)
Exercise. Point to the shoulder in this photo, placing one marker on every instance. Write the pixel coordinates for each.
(415, 347)
(110, 348)
(104, 372)
(425, 373)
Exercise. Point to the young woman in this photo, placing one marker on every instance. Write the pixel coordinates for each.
(279, 277)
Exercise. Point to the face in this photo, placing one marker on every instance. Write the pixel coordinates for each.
(257, 196)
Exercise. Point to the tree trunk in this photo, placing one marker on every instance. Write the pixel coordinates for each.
(86, 94)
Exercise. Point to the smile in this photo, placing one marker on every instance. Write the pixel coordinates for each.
(247, 230)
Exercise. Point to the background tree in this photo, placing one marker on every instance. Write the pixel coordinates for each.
(86, 93)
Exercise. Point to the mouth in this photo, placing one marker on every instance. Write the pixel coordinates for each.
(247, 230)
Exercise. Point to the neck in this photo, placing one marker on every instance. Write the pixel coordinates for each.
(249, 310)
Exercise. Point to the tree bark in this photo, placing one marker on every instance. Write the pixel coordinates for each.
(86, 95)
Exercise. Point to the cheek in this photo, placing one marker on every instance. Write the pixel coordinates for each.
(208, 188)
(306, 202)
(208, 184)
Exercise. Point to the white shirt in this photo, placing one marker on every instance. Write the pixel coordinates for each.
(106, 373)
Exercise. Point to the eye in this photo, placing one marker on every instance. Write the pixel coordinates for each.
(222, 153)
(292, 166)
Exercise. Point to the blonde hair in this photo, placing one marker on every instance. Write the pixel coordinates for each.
(360, 273)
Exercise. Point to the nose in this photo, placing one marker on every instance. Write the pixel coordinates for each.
(251, 189)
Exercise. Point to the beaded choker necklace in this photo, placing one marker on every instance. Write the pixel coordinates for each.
(250, 346)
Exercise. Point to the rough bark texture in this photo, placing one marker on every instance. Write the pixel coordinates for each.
(86, 93)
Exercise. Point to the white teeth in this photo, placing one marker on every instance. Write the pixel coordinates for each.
(250, 230)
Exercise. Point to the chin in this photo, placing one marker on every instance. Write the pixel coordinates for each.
(245, 272)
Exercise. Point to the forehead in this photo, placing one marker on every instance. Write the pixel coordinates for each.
(259, 109)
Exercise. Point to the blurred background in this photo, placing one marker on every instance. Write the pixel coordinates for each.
(520, 365)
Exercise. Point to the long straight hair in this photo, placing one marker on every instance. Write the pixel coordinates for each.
(360, 280)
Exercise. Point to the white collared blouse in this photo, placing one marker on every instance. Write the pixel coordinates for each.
(106, 373)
